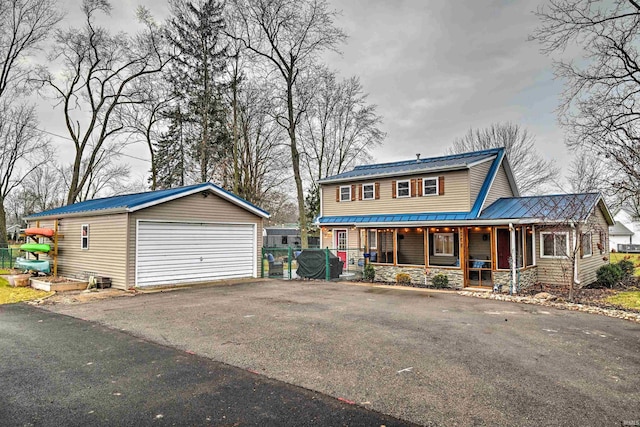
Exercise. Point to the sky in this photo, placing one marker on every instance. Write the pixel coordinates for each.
(434, 69)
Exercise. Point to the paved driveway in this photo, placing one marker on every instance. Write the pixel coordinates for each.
(431, 358)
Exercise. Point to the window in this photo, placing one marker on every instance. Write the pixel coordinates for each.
(284, 240)
(384, 252)
(368, 191)
(84, 236)
(410, 246)
(372, 235)
(443, 244)
(554, 245)
(345, 193)
(430, 187)
(586, 248)
(403, 188)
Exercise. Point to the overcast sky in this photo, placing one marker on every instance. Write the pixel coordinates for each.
(434, 68)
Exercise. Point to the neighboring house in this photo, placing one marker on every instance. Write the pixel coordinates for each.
(626, 231)
(189, 234)
(284, 237)
(13, 232)
(461, 215)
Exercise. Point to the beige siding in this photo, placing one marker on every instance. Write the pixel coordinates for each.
(477, 175)
(555, 271)
(454, 199)
(589, 265)
(107, 251)
(499, 188)
(194, 208)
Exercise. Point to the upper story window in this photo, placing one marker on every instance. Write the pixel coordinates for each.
(430, 186)
(368, 191)
(84, 236)
(345, 193)
(554, 245)
(403, 188)
(587, 247)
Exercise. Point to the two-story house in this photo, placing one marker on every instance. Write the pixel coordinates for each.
(461, 215)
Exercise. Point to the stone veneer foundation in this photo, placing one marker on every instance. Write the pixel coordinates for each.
(421, 276)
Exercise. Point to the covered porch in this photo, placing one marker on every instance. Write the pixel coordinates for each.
(483, 256)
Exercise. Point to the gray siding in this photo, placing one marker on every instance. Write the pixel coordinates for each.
(499, 188)
(477, 175)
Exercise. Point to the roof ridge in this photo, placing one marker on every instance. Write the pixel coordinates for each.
(430, 159)
(552, 195)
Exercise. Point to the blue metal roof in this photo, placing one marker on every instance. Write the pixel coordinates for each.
(431, 164)
(131, 201)
(408, 218)
(556, 207)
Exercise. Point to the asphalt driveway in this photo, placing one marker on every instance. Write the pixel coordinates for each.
(430, 358)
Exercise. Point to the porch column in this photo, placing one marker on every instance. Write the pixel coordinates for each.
(514, 273)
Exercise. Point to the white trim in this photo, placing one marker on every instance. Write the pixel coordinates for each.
(255, 250)
(335, 239)
(554, 233)
(533, 233)
(210, 187)
(437, 193)
(375, 233)
(321, 206)
(340, 192)
(135, 261)
(372, 184)
(408, 181)
(82, 238)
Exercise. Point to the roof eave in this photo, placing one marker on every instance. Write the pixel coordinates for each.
(96, 212)
(392, 174)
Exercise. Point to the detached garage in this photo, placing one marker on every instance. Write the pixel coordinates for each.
(190, 234)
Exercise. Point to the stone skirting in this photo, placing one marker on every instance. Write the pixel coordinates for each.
(420, 276)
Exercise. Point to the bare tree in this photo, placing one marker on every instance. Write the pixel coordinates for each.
(602, 89)
(288, 36)
(339, 128)
(590, 174)
(43, 189)
(24, 25)
(22, 150)
(99, 72)
(531, 171)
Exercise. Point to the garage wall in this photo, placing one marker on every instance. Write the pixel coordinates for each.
(107, 253)
(194, 208)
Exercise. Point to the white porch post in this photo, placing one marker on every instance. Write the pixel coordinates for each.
(533, 245)
(514, 274)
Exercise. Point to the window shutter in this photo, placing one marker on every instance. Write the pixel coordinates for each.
(377, 190)
(420, 185)
(353, 192)
(393, 189)
(413, 188)
(337, 193)
(359, 191)
(441, 185)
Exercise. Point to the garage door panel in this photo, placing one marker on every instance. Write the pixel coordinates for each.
(187, 252)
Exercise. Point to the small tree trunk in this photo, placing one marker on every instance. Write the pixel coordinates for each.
(3, 225)
(295, 161)
(75, 177)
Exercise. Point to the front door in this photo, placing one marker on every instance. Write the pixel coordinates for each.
(341, 245)
(503, 248)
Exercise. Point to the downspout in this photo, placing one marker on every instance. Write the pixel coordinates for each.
(514, 273)
(574, 258)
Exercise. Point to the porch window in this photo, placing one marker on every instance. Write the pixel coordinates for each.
(410, 246)
(384, 252)
(345, 193)
(430, 187)
(403, 188)
(528, 245)
(444, 247)
(368, 192)
(372, 236)
(554, 245)
(586, 246)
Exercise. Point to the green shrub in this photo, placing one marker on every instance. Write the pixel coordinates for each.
(609, 275)
(369, 273)
(627, 268)
(403, 279)
(440, 281)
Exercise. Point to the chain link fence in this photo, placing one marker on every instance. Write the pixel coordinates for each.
(8, 257)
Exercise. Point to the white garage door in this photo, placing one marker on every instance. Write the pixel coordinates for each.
(177, 252)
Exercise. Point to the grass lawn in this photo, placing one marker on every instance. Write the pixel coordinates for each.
(629, 299)
(635, 258)
(10, 295)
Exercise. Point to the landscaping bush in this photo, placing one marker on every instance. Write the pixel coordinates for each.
(440, 281)
(403, 279)
(369, 273)
(609, 275)
(627, 268)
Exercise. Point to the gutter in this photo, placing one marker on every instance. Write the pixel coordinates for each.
(97, 212)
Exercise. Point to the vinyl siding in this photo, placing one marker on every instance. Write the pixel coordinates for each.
(589, 265)
(477, 175)
(194, 208)
(554, 271)
(107, 253)
(499, 188)
(454, 199)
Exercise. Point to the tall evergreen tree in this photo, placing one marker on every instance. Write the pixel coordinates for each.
(196, 32)
(170, 153)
